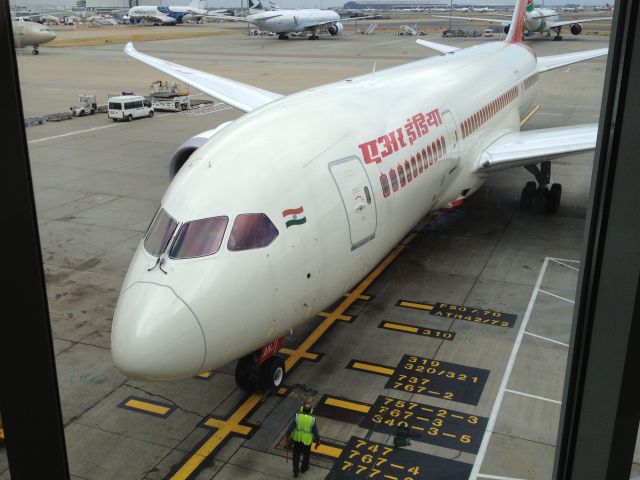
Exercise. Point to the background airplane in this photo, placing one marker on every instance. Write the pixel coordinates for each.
(31, 34)
(318, 200)
(284, 21)
(196, 11)
(539, 20)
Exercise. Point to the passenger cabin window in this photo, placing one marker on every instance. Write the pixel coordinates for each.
(159, 233)
(199, 238)
(251, 230)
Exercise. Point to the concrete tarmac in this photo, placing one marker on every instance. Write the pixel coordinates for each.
(499, 382)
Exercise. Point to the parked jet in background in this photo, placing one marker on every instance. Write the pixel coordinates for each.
(195, 11)
(283, 22)
(316, 201)
(539, 20)
(31, 34)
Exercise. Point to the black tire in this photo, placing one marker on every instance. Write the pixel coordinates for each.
(553, 199)
(527, 196)
(81, 113)
(272, 373)
(244, 369)
(129, 118)
(92, 112)
(151, 114)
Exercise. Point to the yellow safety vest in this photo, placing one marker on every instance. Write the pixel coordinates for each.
(302, 432)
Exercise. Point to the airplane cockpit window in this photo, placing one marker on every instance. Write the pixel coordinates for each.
(199, 238)
(251, 230)
(160, 233)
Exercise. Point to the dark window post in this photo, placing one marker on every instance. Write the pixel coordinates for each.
(29, 399)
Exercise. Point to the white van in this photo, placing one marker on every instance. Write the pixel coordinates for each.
(488, 32)
(128, 107)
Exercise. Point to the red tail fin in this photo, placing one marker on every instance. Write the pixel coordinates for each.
(517, 22)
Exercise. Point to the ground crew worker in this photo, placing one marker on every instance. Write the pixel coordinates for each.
(303, 430)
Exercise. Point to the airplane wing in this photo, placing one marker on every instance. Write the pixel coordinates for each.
(579, 20)
(502, 21)
(556, 61)
(237, 94)
(437, 46)
(518, 149)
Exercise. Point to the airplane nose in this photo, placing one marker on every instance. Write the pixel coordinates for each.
(155, 335)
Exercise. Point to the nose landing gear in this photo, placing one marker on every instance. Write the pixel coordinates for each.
(261, 370)
(540, 194)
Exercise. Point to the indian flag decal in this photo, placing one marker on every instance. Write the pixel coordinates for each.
(294, 216)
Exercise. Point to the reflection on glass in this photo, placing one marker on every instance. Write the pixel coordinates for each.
(251, 230)
(160, 233)
(199, 238)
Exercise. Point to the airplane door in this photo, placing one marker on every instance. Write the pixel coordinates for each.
(357, 197)
(453, 147)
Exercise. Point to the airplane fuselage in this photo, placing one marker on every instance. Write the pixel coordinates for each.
(285, 21)
(165, 15)
(31, 34)
(537, 20)
(351, 184)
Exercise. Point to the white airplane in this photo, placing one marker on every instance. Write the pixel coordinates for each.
(604, 8)
(272, 217)
(170, 15)
(540, 20)
(31, 34)
(283, 22)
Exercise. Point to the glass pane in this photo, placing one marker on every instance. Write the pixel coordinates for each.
(251, 230)
(199, 238)
(160, 233)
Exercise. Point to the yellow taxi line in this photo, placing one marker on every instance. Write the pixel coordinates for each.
(397, 326)
(147, 407)
(336, 402)
(418, 306)
(367, 367)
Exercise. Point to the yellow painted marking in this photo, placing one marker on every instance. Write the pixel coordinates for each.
(282, 391)
(391, 477)
(397, 466)
(426, 409)
(148, 407)
(217, 423)
(231, 425)
(327, 450)
(419, 306)
(344, 318)
(456, 416)
(307, 355)
(433, 393)
(373, 368)
(449, 435)
(366, 298)
(350, 298)
(396, 326)
(529, 115)
(208, 374)
(417, 428)
(336, 402)
(422, 418)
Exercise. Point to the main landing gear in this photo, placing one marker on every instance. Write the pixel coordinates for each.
(540, 193)
(283, 36)
(261, 370)
(558, 37)
(35, 51)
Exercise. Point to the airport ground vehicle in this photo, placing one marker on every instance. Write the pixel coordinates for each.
(86, 106)
(128, 107)
(488, 33)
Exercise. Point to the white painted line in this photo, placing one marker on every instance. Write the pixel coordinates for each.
(565, 265)
(557, 296)
(505, 377)
(547, 339)
(497, 477)
(533, 396)
(564, 260)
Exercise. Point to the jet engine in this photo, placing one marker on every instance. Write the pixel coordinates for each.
(336, 29)
(185, 150)
(576, 28)
(506, 29)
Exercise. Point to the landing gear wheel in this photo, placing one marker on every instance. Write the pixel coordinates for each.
(313, 37)
(283, 36)
(527, 196)
(271, 373)
(35, 51)
(557, 38)
(553, 199)
(244, 373)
